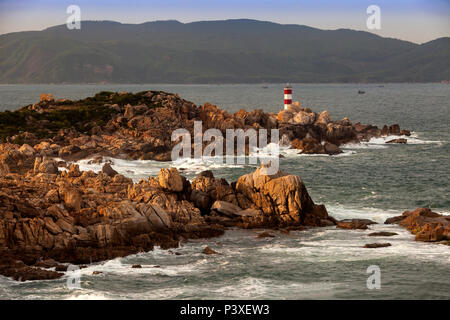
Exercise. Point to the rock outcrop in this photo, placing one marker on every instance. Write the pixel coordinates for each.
(355, 224)
(79, 217)
(377, 245)
(139, 126)
(281, 199)
(426, 225)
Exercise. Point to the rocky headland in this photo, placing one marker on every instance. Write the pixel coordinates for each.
(51, 213)
(139, 126)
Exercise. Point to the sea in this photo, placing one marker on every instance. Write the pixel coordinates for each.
(372, 180)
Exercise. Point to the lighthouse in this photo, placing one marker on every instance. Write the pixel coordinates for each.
(287, 96)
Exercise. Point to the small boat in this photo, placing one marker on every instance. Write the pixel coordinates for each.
(361, 92)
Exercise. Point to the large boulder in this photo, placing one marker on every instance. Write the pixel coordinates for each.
(15, 159)
(282, 198)
(323, 118)
(107, 169)
(338, 133)
(226, 208)
(304, 118)
(45, 165)
(27, 150)
(170, 179)
(285, 116)
(68, 150)
(72, 199)
(308, 146)
(426, 225)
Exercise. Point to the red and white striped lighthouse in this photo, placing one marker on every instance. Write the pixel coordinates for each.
(287, 96)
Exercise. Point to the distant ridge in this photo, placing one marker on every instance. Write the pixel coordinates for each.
(225, 51)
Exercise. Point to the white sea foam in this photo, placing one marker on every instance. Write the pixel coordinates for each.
(380, 142)
(341, 212)
(93, 295)
(143, 168)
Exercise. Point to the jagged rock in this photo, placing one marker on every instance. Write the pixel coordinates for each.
(68, 150)
(323, 118)
(74, 171)
(394, 129)
(400, 140)
(45, 166)
(226, 208)
(338, 133)
(107, 169)
(170, 179)
(27, 150)
(304, 118)
(72, 199)
(426, 225)
(308, 146)
(47, 97)
(405, 132)
(282, 198)
(201, 200)
(285, 116)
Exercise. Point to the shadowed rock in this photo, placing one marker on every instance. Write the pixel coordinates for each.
(382, 234)
(354, 223)
(107, 169)
(376, 245)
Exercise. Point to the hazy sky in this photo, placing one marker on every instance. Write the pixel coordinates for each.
(413, 20)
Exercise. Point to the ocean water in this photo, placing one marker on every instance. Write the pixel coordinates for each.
(371, 180)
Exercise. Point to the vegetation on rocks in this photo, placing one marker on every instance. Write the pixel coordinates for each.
(46, 118)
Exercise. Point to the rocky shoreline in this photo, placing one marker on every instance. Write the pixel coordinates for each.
(139, 126)
(83, 217)
(52, 213)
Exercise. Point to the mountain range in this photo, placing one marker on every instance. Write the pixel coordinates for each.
(227, 51)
